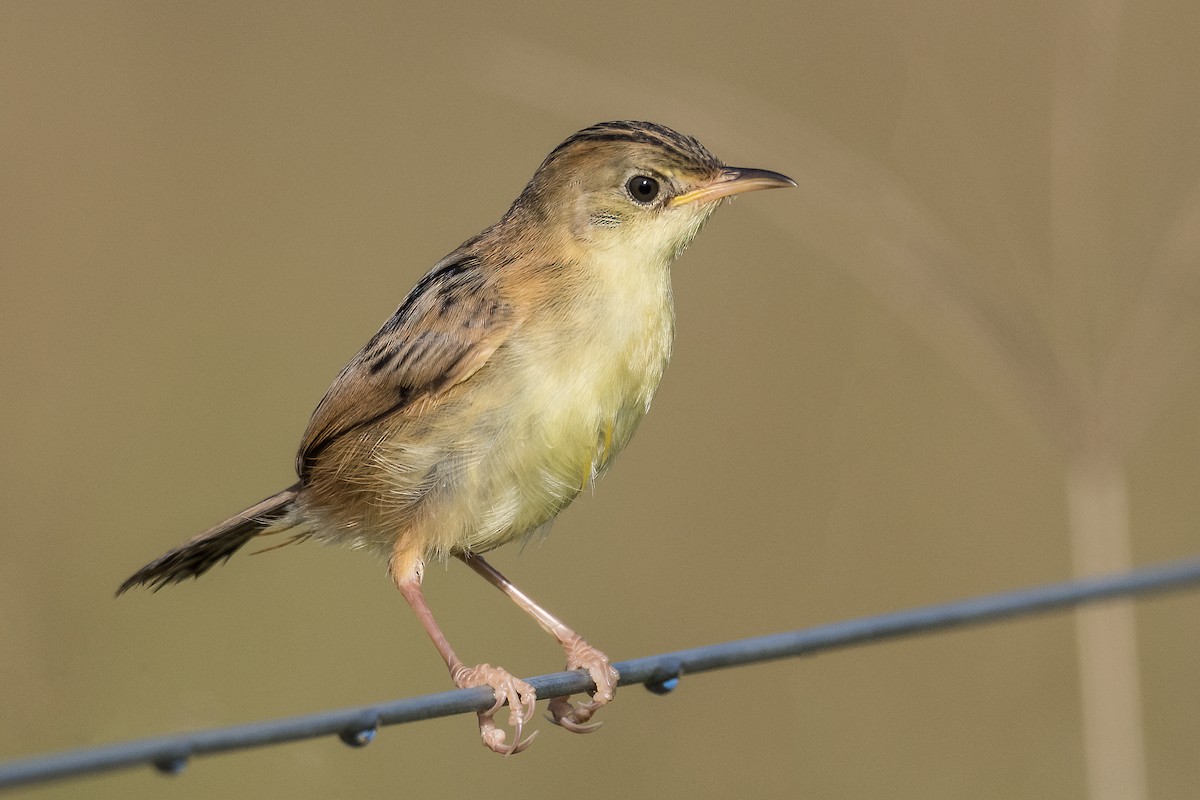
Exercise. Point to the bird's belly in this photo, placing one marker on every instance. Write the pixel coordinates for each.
(555, 437)
(568, 412)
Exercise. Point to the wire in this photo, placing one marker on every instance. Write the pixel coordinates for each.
(660, 674)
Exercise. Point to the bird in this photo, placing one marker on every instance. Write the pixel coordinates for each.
(502, 386)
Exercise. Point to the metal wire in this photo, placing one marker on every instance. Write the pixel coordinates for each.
(660, 674)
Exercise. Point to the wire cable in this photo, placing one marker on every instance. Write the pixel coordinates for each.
(660, 673)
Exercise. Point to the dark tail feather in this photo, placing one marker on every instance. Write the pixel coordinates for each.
(201, 553)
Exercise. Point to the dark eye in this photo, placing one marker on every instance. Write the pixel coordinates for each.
(642, 189)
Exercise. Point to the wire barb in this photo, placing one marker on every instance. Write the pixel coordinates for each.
(171, 753)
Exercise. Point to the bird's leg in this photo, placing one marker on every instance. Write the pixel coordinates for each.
(580, 654)
(519, 695)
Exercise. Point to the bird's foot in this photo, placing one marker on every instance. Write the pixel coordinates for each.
(581, 655)
(519, 695)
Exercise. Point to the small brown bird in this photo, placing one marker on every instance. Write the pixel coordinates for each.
(502, 386)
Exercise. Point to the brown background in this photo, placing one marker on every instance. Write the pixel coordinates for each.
(207, 208)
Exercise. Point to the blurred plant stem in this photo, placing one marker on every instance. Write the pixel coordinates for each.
(1082, 222)
(1105, 634)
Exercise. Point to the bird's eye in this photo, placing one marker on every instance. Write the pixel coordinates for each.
(642, 189)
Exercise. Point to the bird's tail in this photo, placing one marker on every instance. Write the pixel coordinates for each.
(201, 553)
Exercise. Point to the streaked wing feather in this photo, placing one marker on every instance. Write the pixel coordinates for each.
(445, 330)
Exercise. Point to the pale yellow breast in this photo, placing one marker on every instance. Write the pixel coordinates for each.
(580, 375)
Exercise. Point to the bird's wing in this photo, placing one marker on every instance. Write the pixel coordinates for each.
(445, 330)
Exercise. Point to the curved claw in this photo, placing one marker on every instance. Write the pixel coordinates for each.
(581, 655)
(519, 695)
(494, 738)
(573, 718)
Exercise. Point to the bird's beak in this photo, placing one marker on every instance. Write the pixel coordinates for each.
(733, 180)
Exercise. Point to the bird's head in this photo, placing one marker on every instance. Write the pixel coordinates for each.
(637, 188)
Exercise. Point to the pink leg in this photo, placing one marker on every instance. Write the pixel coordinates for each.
(580, 654)
(519, 695)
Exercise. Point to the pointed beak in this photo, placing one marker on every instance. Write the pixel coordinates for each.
(731, 181)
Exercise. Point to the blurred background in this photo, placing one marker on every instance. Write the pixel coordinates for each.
(960, 358)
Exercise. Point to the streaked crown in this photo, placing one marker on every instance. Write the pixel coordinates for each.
(677, 149)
